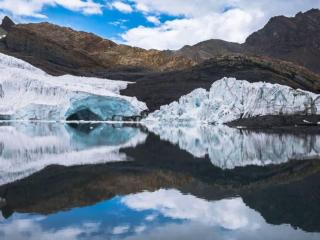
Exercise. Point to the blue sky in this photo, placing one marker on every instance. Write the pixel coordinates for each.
(110, 24)
(160, 24)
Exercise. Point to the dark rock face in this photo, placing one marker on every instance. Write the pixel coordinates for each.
(307, 123)
(7, 24)
(294, 39)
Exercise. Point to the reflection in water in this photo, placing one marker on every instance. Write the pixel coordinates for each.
(278, 201)
(163, 214)
(28, 148)
(228, 148)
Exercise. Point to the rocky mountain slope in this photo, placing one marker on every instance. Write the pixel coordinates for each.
(59, 50)
(209, 49)
(295, 39)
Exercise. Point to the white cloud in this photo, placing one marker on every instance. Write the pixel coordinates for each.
(122, 7)
(120, 230)
(153, 20)
(141, 7)
(231, 20)
(233, 26)
(33, 8)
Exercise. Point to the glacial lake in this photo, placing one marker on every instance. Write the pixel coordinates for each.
(125, 181)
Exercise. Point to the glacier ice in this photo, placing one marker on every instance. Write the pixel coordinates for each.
(229, 148)
(230, 99)
(28, 148)
(27, 93)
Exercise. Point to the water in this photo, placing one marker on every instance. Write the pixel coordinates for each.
(103, 181)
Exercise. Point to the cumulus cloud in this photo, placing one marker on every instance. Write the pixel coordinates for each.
(231, 20)
(122, 7)
(153, 20)
(234, 25)
(33, 8)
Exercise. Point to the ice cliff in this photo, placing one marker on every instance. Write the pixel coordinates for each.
(27, 93)
(229, 99)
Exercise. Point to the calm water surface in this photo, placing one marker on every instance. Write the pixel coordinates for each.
(103, 181)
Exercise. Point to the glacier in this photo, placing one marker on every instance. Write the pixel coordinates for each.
(229, 148)
(26, 148)
(229, 99)
(28, 93)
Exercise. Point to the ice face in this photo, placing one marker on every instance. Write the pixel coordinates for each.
(27, 93)
(28, 148)
(229, 148)
(230, 99)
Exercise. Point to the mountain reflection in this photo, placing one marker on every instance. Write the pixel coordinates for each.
(28, 148)
(162, 214)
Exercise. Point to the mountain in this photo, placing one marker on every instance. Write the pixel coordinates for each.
(209, 49)
(164, 76)
(58, 50)
(7, 24)
(295, 39)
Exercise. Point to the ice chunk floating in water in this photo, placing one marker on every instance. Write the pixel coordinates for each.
(28, 148)
(27, 93)
(230, 99)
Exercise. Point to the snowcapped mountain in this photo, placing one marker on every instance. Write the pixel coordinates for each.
(230, 99)
(28, 93)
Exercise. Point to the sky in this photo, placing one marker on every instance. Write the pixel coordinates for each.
(157, 24)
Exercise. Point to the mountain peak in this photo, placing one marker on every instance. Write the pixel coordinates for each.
(7, 23)
(313, 11)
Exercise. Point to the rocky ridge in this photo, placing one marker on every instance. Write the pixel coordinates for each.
(295, 39)
(59, 50)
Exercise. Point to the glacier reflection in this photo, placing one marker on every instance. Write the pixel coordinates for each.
(28, 148)
(229, 148)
